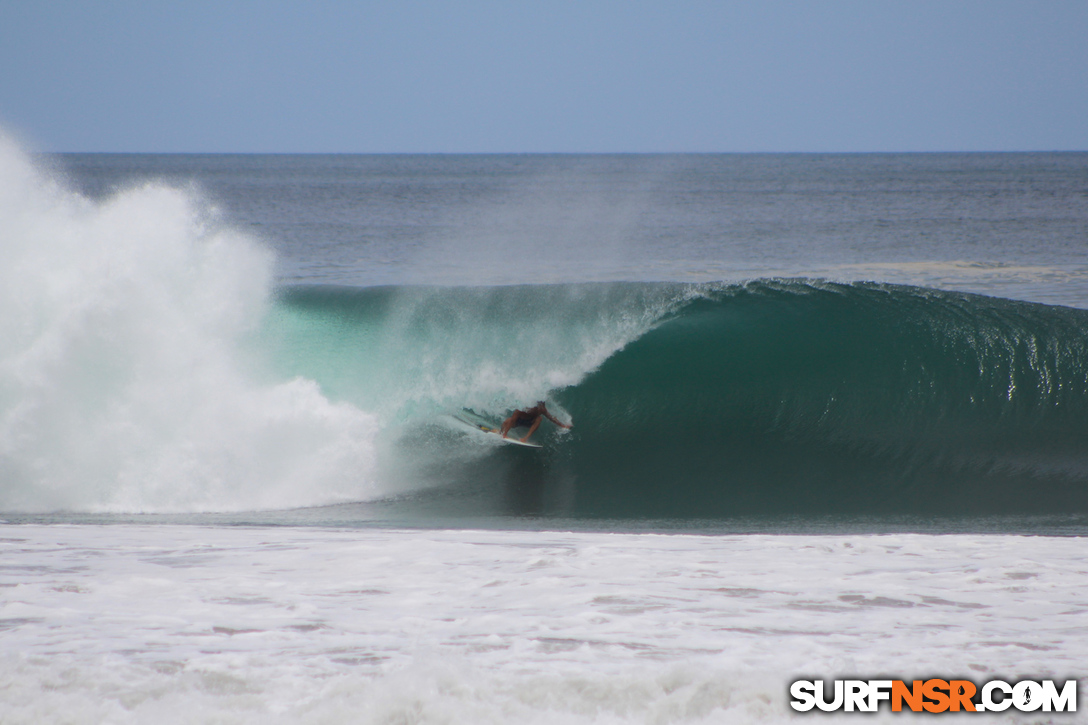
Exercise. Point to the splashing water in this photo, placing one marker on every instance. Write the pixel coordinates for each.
(124, 382)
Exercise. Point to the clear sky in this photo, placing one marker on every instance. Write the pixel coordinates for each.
(548, 76)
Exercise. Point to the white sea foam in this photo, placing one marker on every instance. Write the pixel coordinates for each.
(174, 624)
(123, 383)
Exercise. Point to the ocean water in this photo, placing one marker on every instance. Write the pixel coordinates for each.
(830, 418)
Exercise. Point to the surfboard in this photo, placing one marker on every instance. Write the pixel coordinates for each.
(482, 424)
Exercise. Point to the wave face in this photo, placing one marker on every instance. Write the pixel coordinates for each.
(714, 400)
(799, 397)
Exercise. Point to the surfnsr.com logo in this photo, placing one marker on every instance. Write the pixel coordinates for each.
(934, 695)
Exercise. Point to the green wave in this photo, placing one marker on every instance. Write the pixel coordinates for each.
(791, 396)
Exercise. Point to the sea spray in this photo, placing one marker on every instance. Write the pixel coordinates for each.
(124, 383)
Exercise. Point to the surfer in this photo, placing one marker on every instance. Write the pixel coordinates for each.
(530, 417)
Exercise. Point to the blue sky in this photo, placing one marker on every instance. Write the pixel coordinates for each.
(588, 76)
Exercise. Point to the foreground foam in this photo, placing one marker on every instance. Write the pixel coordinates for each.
(178, 624)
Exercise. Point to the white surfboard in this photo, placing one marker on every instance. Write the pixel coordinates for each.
(482, 424)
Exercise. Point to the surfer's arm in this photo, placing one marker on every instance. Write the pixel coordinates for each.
(551, 417)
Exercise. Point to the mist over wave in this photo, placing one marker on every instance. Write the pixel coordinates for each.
(124, 379)
(411, 353)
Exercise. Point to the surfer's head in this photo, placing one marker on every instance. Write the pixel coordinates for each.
(540, 404)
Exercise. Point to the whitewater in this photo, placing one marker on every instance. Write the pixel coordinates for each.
(829, 421)
(123, 382)
(182, 624)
